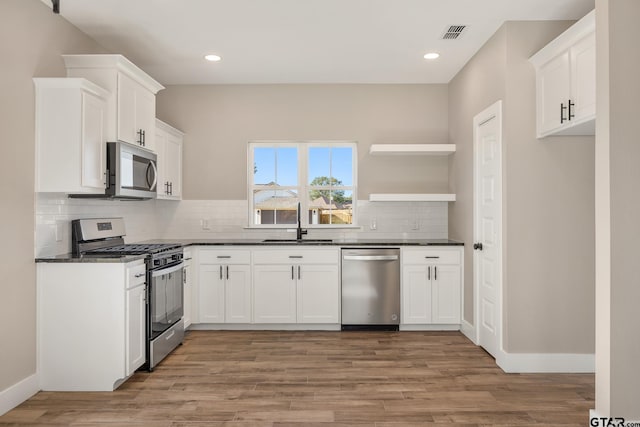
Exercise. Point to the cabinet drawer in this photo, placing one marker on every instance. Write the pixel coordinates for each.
(296, 256)
(229, 256)
(136, 275)
(431, 256)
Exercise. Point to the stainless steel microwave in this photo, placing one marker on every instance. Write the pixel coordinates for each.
(132, 171)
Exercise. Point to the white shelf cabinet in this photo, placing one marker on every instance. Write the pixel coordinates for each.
(412, 149)
(431, 286)
(566, 82)
(169, 150)
(297, 285)
(91, 324)
(70, 136)
(132, 101)
(224, 282)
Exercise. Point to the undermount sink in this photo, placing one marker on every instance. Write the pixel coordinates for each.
(309, 241)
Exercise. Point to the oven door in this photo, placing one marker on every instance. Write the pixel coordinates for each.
(165, 298)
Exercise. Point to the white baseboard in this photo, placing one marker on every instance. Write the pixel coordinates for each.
(263, 327)
(469, 331)
(18, 393)
(429, 328)
(546, 362)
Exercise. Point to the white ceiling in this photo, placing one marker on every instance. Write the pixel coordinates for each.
(302, 41)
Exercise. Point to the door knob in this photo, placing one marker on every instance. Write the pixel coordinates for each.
(477, 246)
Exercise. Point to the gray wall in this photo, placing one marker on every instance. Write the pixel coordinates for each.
(32, 41)
(219, 120)
(548, 199)
(618, 209)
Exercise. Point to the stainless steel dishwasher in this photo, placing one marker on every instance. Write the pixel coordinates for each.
(371, 288)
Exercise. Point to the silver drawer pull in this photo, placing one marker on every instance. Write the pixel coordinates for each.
(170, 335)
(140, 275)
(432, 257)
(224, 256)
(295, 256)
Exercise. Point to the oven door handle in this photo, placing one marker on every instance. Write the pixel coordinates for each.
(162, 272)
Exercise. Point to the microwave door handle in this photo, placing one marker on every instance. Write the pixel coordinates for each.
(152, 185)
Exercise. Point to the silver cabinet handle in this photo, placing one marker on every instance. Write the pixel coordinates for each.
(299, 273)
(435, 273)
(432, 257)
(140, 275)
(429, 273)
(224, 256)
(370, 257)
(292, 276)
(295, 256)
(220, 272)
(227, 272)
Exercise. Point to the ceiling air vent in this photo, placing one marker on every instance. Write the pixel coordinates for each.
(453, 32)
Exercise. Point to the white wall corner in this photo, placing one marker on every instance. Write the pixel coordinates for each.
(469, 331)
(18, 393)
(546, 362)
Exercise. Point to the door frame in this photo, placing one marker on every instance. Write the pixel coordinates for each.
(493, 111)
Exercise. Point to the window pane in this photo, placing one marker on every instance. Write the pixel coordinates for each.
(330, 207)
(287, 169)
(264, 165)
(275, 206)
(319, 165)
(342, 165)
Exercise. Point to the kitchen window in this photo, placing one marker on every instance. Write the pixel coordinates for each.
(319, 175)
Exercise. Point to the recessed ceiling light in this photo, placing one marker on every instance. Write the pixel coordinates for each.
(431, 55)
(212, 58)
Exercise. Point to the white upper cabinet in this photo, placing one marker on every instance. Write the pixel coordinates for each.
(169, 150)
(70, 136)
(132, 103)
(566, 82)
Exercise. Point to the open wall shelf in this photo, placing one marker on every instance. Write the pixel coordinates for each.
(412, 197)
(408, 149)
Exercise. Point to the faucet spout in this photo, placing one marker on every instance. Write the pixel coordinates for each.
(300, 232)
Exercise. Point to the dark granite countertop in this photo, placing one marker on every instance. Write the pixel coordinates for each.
(107, 258)
(251, 242)
(310, 242)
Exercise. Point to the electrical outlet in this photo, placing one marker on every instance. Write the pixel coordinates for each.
(415, 224)
(205, 224)
(373, 224)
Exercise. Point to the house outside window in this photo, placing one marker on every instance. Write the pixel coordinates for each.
(320, 176)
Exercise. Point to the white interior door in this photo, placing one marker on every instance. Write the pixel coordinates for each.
(487, 260)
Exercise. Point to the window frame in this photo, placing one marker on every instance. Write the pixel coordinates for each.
(303, 186)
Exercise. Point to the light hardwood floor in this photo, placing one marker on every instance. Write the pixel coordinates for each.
(321, 379)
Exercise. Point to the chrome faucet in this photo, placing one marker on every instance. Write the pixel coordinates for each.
(300, 232)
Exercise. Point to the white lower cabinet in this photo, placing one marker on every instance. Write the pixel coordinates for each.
(224, 286)
(91, 324)
(274, 294)
(431, 286)
(297, 285)
(187, 278)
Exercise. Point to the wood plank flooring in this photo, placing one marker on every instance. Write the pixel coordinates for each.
(377, 379)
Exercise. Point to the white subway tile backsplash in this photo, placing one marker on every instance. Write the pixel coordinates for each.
(227, 219)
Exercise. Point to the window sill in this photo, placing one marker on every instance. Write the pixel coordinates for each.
(324, 227)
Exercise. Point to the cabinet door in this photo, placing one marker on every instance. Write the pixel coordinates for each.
(416, 294)
(211, 304)
(553, 90)
(583, 78)
(173, 165)
(318, 289)
(274, 294)
(237, 293)
(127, 110)
(145, 118)
(93, 141)
(135, 328)
(446, 294)
(188, 293)
(163, 176)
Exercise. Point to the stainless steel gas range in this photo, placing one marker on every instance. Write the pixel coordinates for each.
(164, 279)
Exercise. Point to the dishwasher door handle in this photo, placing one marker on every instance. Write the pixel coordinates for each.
(370, 257)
